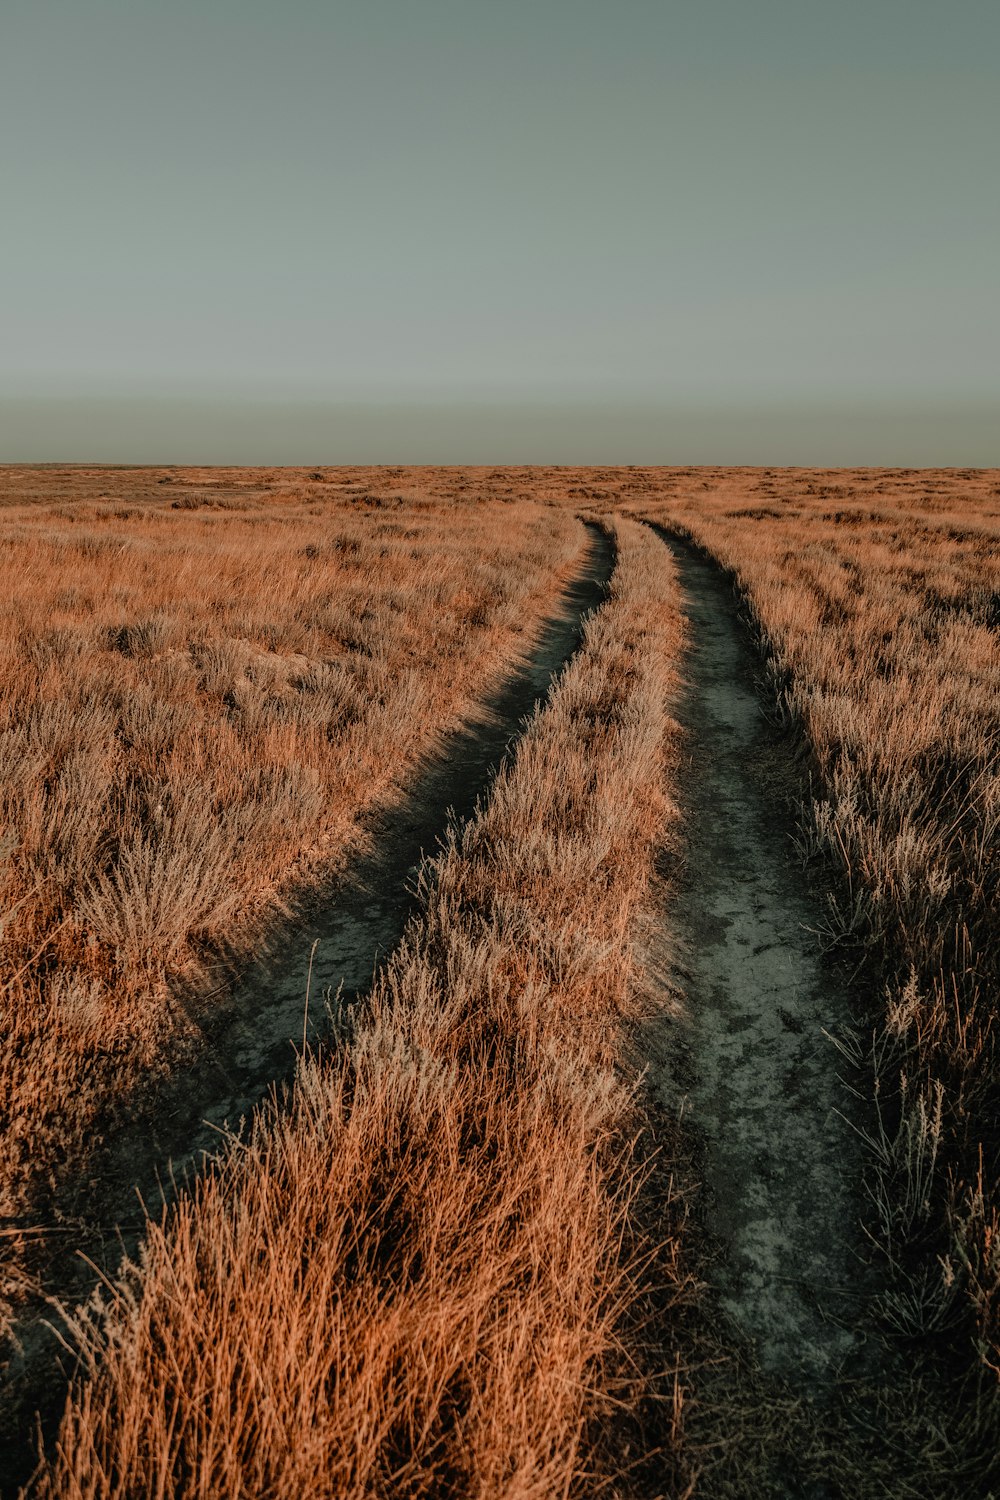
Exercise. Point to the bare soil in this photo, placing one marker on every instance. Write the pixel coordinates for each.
(256, 1020)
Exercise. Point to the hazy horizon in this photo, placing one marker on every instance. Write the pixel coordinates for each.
(550, 232)
(165, 430)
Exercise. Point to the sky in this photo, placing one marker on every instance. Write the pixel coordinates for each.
(461, 230)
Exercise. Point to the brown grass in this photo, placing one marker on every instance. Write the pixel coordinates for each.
(409, 1281)
(207, 686)
(415, 1278)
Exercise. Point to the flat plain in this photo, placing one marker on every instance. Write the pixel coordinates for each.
(648, 1143)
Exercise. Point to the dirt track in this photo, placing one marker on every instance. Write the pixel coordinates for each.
(749, 1064)
(255, 1024)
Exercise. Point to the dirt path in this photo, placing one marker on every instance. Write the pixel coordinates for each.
(749, 1063)
(252, 1028)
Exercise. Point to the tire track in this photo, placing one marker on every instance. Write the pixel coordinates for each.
(750, 1063)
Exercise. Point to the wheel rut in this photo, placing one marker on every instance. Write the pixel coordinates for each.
(748, 1064)
(256, 1021)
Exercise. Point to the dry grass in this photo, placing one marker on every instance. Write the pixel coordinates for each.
(877, 596)
(413, 1278)
(409, 1280)
(207, 685)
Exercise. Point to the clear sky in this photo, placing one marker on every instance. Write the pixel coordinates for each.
(629, 231)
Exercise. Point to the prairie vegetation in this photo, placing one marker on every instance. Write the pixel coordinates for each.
(877, 597)
(424, 1269)
(208, 682)
(410, 1279)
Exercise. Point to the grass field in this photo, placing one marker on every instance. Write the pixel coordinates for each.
(208, 682)
(449, 1261)
(451, 1165)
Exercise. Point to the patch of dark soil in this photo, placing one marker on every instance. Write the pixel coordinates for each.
(252, 1028)
(782, 1167)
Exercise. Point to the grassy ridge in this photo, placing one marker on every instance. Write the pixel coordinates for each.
(411, 1281)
